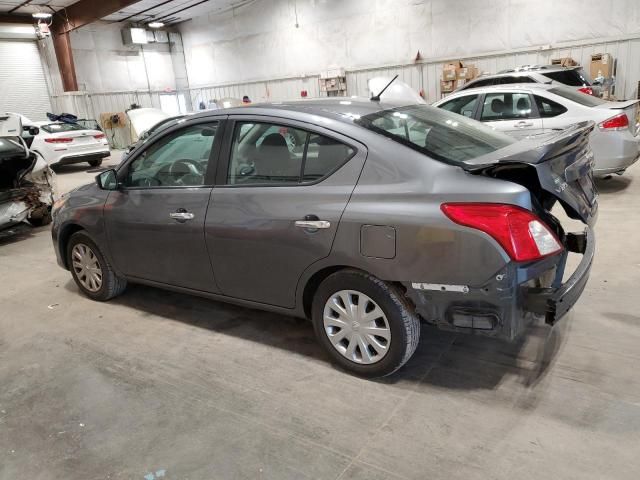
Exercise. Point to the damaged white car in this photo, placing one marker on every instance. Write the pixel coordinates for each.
(27, 183)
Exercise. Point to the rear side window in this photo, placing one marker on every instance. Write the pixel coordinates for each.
(548, 108)
(506, 106)
(271, 154)
(573, 78)
(437, 133)
(462, 105)
(480, 83)
(575, 96)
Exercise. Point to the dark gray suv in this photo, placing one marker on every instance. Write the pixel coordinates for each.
(365, 217)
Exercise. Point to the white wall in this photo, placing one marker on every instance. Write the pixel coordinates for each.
(260, 41)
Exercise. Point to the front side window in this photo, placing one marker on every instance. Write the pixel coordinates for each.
(179, 159)
(506, 106)
(485, 82)
(462, 105)
(272, 154)
(548, 108)
(511, 79)
(437, 133)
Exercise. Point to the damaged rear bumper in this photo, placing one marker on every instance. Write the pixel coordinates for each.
(555, 301)
(513, 297)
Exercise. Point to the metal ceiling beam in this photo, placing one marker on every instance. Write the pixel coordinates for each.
(75, 16)
(85, 12)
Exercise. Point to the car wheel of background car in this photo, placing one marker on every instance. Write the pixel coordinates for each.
(95, 163)
(366, 325)
(90, 269)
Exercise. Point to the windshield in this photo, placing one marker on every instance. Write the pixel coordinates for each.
(61, 127)
(574, 78)
(440, 134)
(576, 96)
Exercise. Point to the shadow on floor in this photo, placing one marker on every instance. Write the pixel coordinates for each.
(613, 183)
(19, 232)
(443, 359)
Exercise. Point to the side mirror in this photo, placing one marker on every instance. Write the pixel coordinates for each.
(34, 131)
(107, 180)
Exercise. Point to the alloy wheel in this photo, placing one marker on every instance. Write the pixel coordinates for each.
(356, 327)
(86, 267)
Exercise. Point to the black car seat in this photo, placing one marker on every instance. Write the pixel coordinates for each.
(524, 107)
(497, 107)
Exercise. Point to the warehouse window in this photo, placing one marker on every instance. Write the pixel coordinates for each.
(462, 105)
(506, 106)
(548, 108)
(265, 153)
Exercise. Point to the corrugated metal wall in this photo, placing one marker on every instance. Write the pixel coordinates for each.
(425, 76)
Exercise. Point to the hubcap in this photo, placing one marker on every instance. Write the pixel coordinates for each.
(86, 267)
(357, 327)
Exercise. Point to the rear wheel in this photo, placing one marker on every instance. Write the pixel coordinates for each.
(366, 325)
(90, 269)
(95, 163)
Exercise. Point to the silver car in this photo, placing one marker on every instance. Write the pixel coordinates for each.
(366, 217)
(573, 77)
(532, 109)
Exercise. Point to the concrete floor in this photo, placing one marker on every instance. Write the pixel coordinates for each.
(164, 385)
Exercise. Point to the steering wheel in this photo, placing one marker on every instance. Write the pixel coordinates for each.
(176, 171)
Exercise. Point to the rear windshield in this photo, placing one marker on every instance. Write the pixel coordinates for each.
(442, 135)
(61, 127)
(573, 78)
(578, 97)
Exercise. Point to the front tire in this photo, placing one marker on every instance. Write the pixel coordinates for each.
(91, 271)
(367, 326)
(95, 163)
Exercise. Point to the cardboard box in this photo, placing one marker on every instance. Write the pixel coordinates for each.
(468, 72)
(449, 74)
(447, 85)
(603, 63)
(564, 62)
(460, 83)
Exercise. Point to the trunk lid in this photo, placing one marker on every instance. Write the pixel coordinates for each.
(554, 167)
(630, 108)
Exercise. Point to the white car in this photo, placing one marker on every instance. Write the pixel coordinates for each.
(531, 109)
(64, 143)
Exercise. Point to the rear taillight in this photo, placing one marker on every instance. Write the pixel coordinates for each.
(99, 136)
(58, 140)
(619, 122)
(521, 233)
(587, 90)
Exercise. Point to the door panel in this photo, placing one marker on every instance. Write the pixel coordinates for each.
(155, 221)
(258, 251)
(146, 242)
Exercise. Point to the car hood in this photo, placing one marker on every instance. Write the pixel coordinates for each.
(142, 119)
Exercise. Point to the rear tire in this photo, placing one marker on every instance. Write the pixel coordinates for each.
(41, 221)
(95, 163)
(382, 323)
(91, 271)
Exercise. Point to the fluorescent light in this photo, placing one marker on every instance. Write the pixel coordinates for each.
(155, 25)
(41, 15)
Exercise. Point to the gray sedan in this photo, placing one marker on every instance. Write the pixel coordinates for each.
(366, 217)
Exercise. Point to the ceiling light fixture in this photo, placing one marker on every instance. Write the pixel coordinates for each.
(155, 25)
(41, 15)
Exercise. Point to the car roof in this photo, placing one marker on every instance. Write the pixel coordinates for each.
(536, 68)
(506, 87)
(344, 109)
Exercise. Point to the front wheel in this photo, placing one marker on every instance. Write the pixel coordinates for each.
(366, 325)
(90, 269)
(95, 163)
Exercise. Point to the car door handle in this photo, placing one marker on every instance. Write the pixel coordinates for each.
(524, 124)
(181, 216)
(313, 224)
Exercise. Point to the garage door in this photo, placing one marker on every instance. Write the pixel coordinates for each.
(23, 88)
